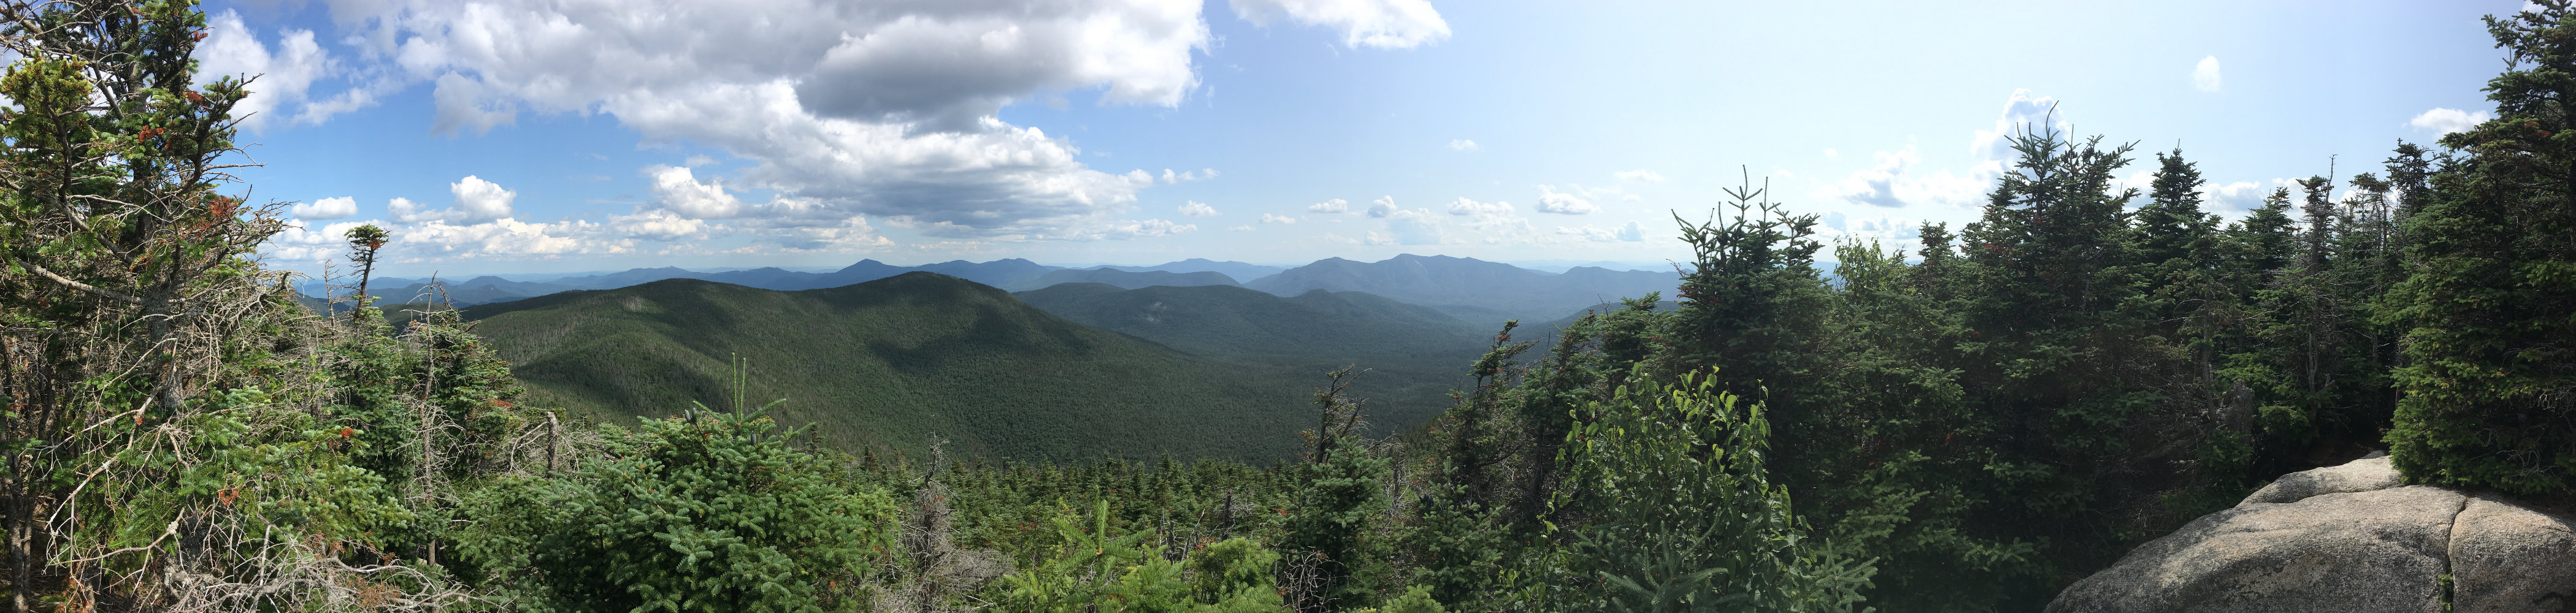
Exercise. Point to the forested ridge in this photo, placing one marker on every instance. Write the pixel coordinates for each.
(1969, 427)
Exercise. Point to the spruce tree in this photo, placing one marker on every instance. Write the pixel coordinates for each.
(2490, 310)
(2067, 384)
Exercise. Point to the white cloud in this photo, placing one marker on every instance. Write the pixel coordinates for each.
(1648, 176)
(852, 234)
(476, 201)
(500, 238)
(1633, 232)
(1197, 209)
(2446, 121)
(1489, 216)
(300, 242)
(1552, 201)
(2022, 112)
(1204, 173)
(279, 78)
(1242, 228)
(696, 160)
(677, 189)
(1892, 183)
(1410, 227)
(857, 108)
(2239, 195)
(1147, 228)
(1385, 24)
(1335, 205)
(326, 208)
(1382, 206)
(659, 224)
(1278, 219)
(1464, 145)
(2205, 74)
(1464, 207)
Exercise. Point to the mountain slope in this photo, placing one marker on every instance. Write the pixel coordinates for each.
(1475, 290)
(1416, 354)
(892, 362)
(1126, 279)
(1238, 271)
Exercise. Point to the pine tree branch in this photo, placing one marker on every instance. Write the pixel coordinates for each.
(67, 282)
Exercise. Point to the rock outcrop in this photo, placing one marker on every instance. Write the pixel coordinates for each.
(2348, 538)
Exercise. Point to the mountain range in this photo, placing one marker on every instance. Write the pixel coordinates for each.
(1192, 361)
(894, 361)
(1414, 355)
(1472, 290)
(1476, 291)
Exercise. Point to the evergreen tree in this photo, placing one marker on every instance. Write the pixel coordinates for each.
(2065, 376)
(2490, 310)
(364, 242)
(1753, 311)
(1340, 499)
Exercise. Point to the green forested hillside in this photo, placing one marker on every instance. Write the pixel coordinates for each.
(1413, 353)
(1126, 278)
(890, 363)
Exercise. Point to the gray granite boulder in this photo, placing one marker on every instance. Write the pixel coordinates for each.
(2509, 558)
(2362, 551)
(2346, 538)
(2363, 475)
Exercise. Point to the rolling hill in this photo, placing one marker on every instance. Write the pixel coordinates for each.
(893, 361)
(1127, 279)
(1416, 355)
(1473, 290)
(1238, 271)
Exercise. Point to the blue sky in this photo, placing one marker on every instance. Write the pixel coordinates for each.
(549, 136)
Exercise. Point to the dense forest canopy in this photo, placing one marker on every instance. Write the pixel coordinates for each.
(1969, 427)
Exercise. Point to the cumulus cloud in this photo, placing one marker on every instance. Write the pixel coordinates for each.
(2239, 195)
(852, 234)
(1893, 182)
(280, 77)
(2446, 121)
(1145, 228)
(2022, 112)
(1385, 24)
(1410, 227)
(476, 201)
(1647, 176)
(659, 224)
(1465, 145)
(2205, 74)
(677, 190)
(1241, 228)
(302, 241)
(500, 238)
(1197, 209)
(1278, 219)
(1552, 201)
(1489, 216)
(1382, 206)
(859, 109)
(326, 208)
(1633, 232)
(1204, 173)
(1335, 205)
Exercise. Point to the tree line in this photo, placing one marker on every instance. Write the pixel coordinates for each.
(1970, 426)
